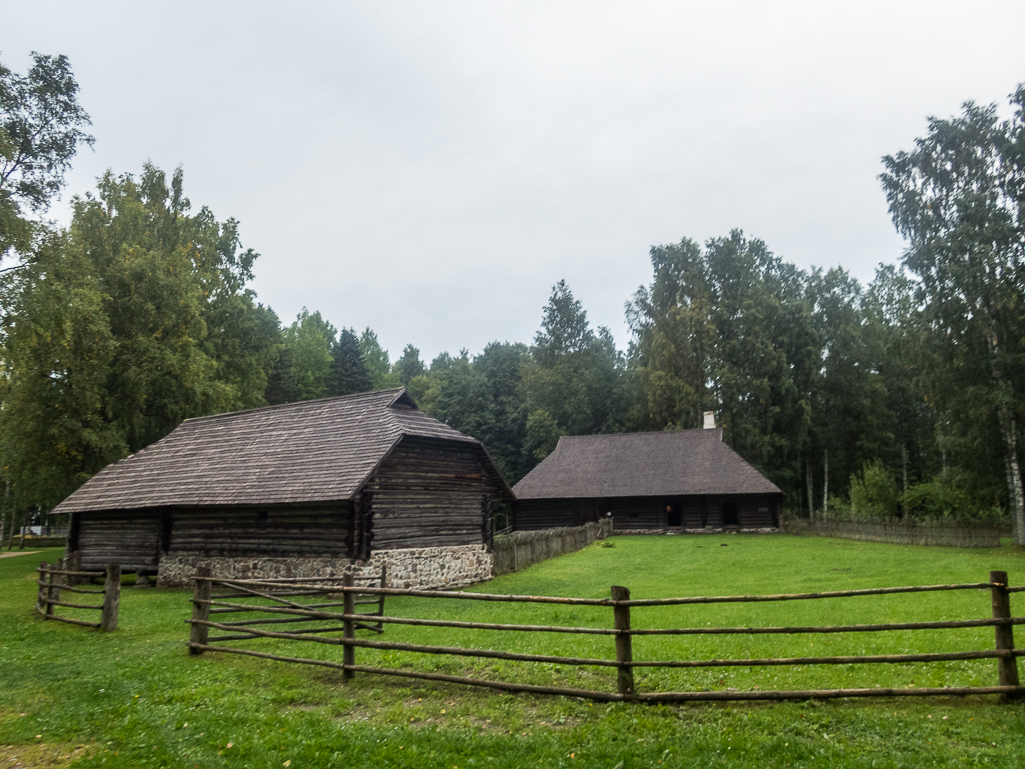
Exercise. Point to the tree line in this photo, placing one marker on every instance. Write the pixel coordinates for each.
(901, 397)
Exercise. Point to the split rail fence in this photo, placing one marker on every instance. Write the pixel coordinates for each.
(55, 579)
(205, 603)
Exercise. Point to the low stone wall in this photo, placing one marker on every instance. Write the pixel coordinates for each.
(896, 533)
(426, 567)
(521, 549)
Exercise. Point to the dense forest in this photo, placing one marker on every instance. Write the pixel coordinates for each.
(900, 398)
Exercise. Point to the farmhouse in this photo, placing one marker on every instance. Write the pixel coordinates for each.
(672, 481)
(303, 489)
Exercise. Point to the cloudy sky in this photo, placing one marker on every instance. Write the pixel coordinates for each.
(431, 169)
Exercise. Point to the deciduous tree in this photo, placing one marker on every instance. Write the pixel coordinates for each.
(41, 127)
(958, 199)
(113, 333)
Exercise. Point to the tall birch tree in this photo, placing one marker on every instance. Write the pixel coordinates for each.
(958, 199)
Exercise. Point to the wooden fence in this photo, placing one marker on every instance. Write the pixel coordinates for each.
(897, 532)
(519, 549)
(55, 579)
(205, 604)
(278, 592)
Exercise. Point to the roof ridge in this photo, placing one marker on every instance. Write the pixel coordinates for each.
(646, 432)
(294, 404)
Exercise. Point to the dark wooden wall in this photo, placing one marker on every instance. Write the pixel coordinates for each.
(128, 538)
(301, 531)
(429, 493)
(549, 513)
(753, 511)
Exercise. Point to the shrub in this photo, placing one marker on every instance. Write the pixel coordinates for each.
(936, 499)
(874, 494)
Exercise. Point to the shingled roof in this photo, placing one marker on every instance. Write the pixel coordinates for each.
(641, 465)
(314, 451)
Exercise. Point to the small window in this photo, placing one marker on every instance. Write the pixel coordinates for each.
(261, 516)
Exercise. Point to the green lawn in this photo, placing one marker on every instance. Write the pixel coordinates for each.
(72, 696)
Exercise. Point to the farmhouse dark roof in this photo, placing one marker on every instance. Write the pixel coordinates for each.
(643, 464)
(313, 451)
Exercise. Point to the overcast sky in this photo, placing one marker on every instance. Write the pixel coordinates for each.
(431, 169)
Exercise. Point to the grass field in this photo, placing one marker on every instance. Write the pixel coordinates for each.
(76, 697)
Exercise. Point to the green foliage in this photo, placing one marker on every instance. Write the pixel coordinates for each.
(309, 342)
(133, 320)
(935, 499)
(728, 329)
(501, 364)
(959, 200)
(874, 492)
(542, 435)
(375, 358)
(348, 372)
(575, 375)
(480, 397)
(409, 365)
(41, 126)
(941, 499)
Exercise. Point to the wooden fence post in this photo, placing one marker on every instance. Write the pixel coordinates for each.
(53, 591)
(200, 609)
(348, 628)
(44, 591)
(380, 598)
(624, 646)
(1007, 666)
(111, 597)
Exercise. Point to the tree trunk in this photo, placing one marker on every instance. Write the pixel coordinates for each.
(825, 484)
(811, 490)
(4, 526)
(904, 462)
(1014, 492)
(1009, 432)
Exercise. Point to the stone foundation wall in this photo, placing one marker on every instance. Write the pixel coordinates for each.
(427, 567)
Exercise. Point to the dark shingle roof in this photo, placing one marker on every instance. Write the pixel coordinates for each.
(643, 464)
(314, 451)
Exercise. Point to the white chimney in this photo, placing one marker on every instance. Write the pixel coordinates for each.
(709, 420)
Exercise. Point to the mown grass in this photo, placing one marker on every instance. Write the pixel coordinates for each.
(76, 697)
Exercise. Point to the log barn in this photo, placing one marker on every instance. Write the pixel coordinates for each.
(664, 481)
(302, 489)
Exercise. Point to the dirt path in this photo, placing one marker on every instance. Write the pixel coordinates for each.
(12, 553)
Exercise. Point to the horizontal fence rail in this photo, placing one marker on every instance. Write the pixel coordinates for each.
(55, 579)
(348, 620)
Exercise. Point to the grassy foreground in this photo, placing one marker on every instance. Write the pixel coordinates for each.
(75, 697)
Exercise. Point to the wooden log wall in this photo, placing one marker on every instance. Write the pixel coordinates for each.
(757, 512)
(428, 493)
(532, 514)
(697, 511)
(639, 512)
(130, 539)
(268, 532)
